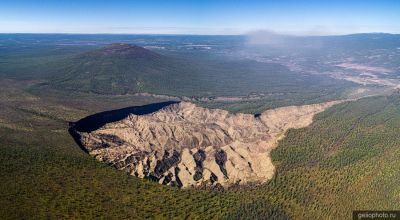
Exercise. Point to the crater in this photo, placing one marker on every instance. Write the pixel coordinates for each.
(184, 145)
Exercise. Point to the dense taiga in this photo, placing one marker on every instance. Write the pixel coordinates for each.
(198, 126)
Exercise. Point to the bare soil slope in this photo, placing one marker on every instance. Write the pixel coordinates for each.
(186, 145)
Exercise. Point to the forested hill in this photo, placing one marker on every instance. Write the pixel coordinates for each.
(115, 69)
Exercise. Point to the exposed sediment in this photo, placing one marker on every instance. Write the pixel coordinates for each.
(185, 145)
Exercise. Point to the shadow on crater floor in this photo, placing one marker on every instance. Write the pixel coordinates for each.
(96, 121)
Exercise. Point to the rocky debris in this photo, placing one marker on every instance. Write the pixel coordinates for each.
(189, 146)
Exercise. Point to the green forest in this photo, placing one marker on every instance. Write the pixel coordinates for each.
(346, 160)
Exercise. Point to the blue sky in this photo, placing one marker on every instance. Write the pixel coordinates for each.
(200, 17)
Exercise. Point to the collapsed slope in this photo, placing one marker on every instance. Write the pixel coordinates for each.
(186, 145)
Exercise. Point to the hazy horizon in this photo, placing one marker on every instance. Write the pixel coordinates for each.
(200, 18)
(191, 34)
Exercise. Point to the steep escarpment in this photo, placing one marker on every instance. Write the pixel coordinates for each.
(185, 145)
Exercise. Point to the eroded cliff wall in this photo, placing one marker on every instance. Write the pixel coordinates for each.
(186, 145)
